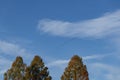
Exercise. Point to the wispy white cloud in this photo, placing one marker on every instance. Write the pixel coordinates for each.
(13, 49)
(58, 63)
(99, 56)
(106, 25)
(104, 71)
(62, 63)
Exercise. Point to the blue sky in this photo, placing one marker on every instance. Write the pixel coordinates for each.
(58, 29)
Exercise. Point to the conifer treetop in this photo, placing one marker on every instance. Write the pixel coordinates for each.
(76, 70)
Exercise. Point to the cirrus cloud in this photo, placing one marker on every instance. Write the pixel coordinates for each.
(106, 25)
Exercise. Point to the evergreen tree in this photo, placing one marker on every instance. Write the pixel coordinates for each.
(17, 71)
(37, 70)
(76, 70)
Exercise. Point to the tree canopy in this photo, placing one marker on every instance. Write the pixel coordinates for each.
(17, 70)
(37, 70)
(76, 70)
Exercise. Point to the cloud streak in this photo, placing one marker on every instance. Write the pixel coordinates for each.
(106, 25)
(60, 63)
(111, 72)
(12, 49)
(57, 63)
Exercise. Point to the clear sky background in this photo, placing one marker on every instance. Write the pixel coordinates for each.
(58, 29)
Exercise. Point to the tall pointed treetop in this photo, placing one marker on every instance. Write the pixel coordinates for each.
(37, 70)
(37, 61)
(17, 70)
(76, 70)
(75, 60)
